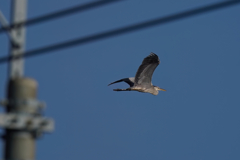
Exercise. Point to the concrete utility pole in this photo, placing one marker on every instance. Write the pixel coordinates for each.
(20, 140)
(23, 121)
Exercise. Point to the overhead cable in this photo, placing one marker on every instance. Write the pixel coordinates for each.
(123, 30)
(59, 14)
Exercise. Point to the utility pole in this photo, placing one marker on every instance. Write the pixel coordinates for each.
(23, 121)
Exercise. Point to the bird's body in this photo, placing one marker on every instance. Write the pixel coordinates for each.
(142, 82)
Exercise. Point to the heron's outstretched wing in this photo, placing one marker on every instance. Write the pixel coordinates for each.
(129, 81)
(146, 69)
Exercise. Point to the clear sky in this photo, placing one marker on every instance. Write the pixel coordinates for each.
(196, 119)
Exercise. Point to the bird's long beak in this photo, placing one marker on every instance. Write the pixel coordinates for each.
(161, 89)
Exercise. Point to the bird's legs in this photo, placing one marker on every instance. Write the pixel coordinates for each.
(128, 89)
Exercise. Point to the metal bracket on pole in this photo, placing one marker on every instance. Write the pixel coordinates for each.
(5, 25)
(26, 122)
(31, 105)
(23, 121)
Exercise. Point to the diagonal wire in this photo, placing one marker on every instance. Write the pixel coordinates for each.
(4, 23)
(59, 14)
(119, 31)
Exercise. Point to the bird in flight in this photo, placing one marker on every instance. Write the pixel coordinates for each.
(142, 82)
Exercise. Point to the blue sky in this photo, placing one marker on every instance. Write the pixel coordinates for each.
(198, 116)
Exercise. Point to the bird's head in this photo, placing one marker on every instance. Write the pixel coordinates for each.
(159, 89)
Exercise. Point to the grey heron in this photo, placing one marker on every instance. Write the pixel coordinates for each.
(142, 82)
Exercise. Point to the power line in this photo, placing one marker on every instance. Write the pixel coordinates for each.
(59, 14)
(122, 30)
